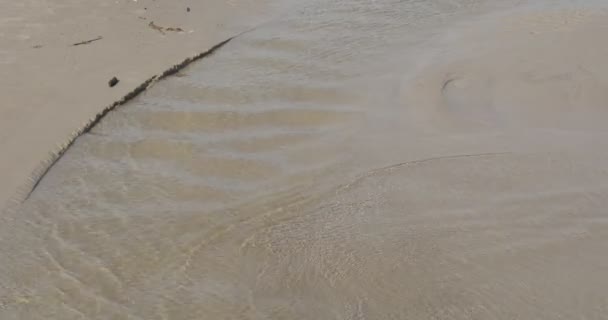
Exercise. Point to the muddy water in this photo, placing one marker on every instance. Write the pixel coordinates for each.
(349, 160)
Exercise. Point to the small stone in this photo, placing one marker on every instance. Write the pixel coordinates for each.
(188, 9)
(113, 81)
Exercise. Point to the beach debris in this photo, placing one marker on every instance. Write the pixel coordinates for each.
(155, 27)
(188, 9)
(113, 82)
(38, 46)
(163, 29)
(87, 41)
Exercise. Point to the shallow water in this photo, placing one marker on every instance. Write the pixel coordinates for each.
(349, 160)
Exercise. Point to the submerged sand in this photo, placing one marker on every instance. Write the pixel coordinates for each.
(350, 159)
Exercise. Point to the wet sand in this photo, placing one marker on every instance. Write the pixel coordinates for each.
(51, 88)
(347, 160)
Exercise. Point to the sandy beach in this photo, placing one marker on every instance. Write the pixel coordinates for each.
(51, 88)
(342, 159)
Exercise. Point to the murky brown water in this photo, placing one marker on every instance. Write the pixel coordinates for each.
(350, 160)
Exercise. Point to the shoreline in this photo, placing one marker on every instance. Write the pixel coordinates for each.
(46, 165)
(53, 84)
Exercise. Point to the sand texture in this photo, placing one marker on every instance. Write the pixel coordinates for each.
(50, 88)
(345, 159)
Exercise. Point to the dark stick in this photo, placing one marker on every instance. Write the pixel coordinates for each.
(87, 41)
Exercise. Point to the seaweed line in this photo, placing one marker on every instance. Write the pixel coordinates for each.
(39, 174)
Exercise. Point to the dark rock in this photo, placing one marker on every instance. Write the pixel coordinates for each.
(113, 82)
(188, 9)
